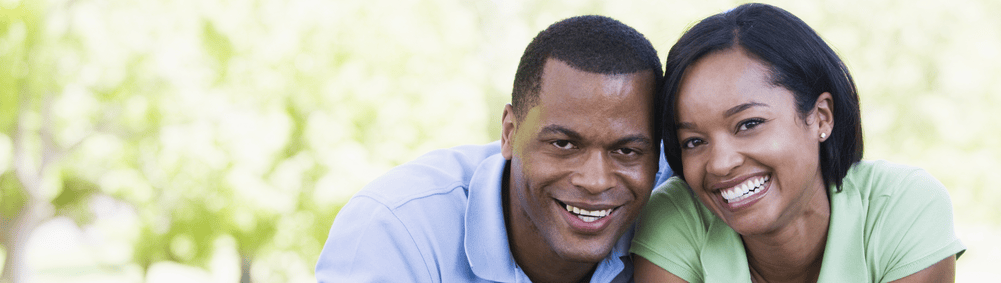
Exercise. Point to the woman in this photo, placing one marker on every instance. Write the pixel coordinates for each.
(762, 121)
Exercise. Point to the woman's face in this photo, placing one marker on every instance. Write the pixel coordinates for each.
(747, 153)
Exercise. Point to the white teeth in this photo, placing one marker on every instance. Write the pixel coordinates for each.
(743, 190)
(588, 215)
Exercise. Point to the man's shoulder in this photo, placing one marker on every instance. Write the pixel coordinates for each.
(413, 219)
(438, 172)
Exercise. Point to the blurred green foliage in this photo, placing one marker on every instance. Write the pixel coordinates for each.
(11, 195)
(239, 128)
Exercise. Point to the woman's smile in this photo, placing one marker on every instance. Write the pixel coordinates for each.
(752, 188)
(747, 152)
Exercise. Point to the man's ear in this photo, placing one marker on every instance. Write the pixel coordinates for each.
(507, 131)
(824, 111)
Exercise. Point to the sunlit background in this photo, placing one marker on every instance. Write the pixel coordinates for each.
(215, 141)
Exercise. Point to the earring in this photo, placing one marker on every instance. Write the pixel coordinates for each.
(823, 135)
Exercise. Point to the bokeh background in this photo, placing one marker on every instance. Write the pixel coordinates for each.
(215, 141)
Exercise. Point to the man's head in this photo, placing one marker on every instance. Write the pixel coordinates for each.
(581, 137)
(594, 44)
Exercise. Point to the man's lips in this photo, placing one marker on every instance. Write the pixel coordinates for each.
(587, 219)
(588, 212)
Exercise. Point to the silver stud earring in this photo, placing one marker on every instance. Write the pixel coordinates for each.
(823, 135)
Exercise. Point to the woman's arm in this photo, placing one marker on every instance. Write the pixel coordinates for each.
(646, 271)
(943, 271)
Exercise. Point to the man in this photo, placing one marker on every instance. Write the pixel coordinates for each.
(553, 201)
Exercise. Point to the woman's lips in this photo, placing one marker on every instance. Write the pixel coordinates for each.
(745, 193)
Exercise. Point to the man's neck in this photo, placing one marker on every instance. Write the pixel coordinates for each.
(531, 252)
(547, 266)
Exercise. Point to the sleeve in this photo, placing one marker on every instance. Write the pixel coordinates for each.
(914, 228)
(671, 232)
(368, 243)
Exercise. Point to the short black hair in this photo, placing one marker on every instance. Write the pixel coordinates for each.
(798, 60)
(591, 43)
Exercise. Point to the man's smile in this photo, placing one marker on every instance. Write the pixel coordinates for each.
(586, 218)
(585, 214)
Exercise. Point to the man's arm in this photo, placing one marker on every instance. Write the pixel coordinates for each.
(368, 243)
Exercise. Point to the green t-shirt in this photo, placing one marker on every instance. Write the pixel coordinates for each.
(889, 221)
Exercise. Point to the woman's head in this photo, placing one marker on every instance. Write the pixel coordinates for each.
(796, 59)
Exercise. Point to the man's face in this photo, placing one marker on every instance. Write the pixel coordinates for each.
(583, 160)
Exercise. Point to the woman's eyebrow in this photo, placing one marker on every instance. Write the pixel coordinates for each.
(742, 107)
(686, 125)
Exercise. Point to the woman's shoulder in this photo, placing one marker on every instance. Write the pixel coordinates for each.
(674, 186)
(874, 179)
(894, 196)
(908, 217)
(673, 230)
(674, 194)
(674, 204)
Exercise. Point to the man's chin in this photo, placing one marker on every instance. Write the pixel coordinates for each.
(586, 257)
(587, 252)
(578, 246)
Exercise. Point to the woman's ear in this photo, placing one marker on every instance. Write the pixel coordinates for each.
(824, 111)
(508, 126)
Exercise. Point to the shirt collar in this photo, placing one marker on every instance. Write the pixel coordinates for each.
(844, 260)
(485, 234)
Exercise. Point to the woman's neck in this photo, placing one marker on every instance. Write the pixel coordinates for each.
(793, 253)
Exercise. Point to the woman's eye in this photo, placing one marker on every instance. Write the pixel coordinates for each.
(691, 143)
(749, 124)
(563, 144)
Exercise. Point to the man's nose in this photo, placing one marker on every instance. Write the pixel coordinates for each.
(595, 173)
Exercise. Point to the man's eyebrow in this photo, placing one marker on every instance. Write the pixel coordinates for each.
(643, 140)
(742, 107)
(557, 129)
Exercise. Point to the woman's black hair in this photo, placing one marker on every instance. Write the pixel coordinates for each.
(798, 59)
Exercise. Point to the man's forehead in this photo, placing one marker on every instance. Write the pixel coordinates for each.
(554, 67)
(565, 82)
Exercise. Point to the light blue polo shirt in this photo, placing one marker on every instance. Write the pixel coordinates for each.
(438, 218)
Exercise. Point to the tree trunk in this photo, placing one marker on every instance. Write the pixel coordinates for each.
(245, 262)
(35, 209)
(15, 268)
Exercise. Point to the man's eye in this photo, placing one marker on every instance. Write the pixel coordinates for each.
(626, 151)
(563, 144)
